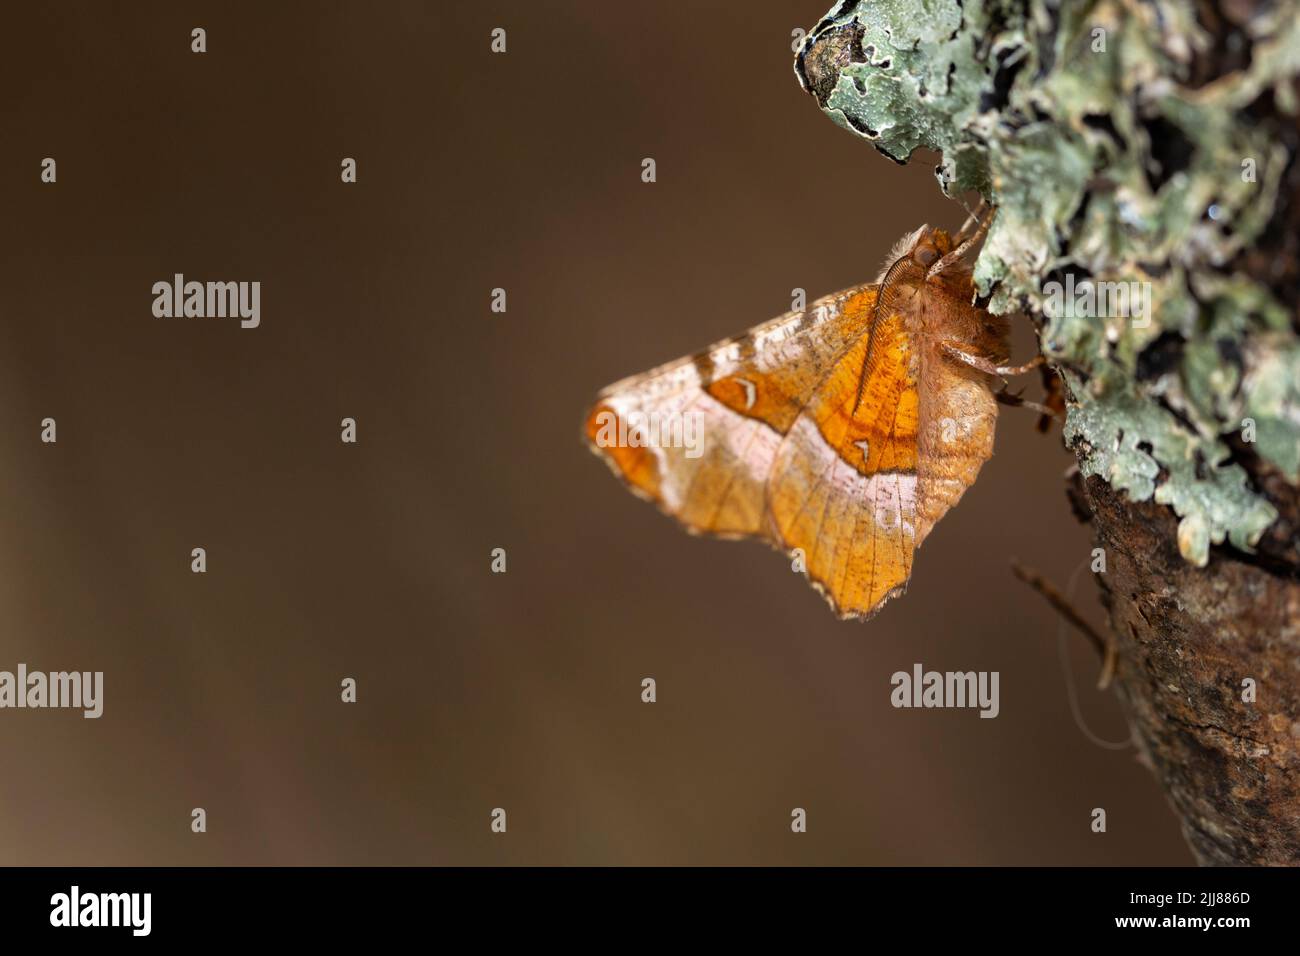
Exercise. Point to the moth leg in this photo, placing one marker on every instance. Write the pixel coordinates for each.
(1053, 398)
(962, 247)
(955, 350)
(1013, 399)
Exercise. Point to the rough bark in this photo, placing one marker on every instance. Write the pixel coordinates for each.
(1187, 638)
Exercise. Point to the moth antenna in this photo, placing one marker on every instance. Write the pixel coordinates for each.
(884, 302)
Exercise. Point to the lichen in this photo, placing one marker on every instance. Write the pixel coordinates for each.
(1120, 146)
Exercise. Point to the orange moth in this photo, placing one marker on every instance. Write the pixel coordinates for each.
(840, 433)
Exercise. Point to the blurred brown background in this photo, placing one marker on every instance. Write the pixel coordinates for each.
(372, 560)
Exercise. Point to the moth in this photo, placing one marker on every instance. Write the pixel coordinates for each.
(840, 434)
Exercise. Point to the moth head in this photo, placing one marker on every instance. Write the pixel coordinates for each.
(922, 248)
(930, 246)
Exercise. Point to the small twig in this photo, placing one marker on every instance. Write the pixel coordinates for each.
(1104, 647)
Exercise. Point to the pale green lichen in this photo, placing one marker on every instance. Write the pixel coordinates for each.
(1106, 162)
